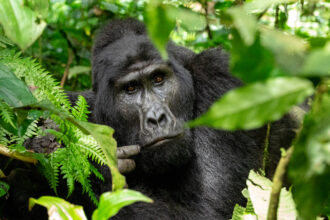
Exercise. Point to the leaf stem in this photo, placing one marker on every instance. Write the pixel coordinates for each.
(278, 183)
(266, 153)
(18, 156)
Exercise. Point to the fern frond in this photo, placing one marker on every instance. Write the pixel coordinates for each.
(80, 110)
(6, 113)
(44, 86)
(31, 130)
(90, 147)
(96, 173)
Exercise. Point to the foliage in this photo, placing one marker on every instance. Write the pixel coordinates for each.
(59, 208)
(72, 160)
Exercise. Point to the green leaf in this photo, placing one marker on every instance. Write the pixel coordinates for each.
(309, 168)
(20, 23)
(317, 62)
(4, 187)
(59, 208)
(76, 70)
(188, 19)
(289, 50)
(39, 6)
(14, 91)
(159, 25)
(251, 63)
(245, 24)
(253, 105)
(258, 6)
(112, 202)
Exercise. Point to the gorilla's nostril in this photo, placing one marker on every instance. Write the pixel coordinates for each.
(152, 122)
(162, 120)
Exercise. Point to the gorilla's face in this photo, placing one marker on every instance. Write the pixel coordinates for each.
(146, 100)
(147, 92)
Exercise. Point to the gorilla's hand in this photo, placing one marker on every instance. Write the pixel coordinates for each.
(126, 165)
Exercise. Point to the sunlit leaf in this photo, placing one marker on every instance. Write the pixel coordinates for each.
(289, 50)
(20, 23)
(39, 6)
(76, 70)
(188, 19)
(59, 208)
(317, 62)
(259, 189)
(258, 6)
(159, 25)
(245, 24)
(112, 202)
(253, 105)
(13, 90)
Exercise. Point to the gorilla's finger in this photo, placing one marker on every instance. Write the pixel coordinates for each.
(126, 165)
(125, 152)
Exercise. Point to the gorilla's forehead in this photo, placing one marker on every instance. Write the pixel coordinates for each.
(129, 50)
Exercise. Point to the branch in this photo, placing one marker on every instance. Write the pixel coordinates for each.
(277, 184)
(18, 156)
(266, 153)
(67, 67)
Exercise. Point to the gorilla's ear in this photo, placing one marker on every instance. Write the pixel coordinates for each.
(181, 54)
(210, 72)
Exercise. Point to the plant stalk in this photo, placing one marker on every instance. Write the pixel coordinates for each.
(277, 184)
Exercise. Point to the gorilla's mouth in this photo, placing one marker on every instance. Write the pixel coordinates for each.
(162, 140)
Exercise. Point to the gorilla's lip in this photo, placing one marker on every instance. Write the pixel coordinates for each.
(162, 140)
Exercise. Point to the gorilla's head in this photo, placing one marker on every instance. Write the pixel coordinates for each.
(144, 98)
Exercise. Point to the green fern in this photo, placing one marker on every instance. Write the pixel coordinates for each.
(6, 113)
(72, 161)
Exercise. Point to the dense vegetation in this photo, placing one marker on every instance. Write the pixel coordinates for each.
(279, 48)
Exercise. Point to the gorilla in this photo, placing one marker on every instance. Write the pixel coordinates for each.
(189, 173)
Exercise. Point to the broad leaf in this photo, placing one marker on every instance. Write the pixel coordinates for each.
(112, 202)
(4, 187)
(188, 19)
(59, 208)
(159, 25)
(245, 24)
(20, 23)
(13, 90)
(40, 7)
(253, 105)
(309, 168)
(317, 62)
(258, 6)
(288, 50)
(76, 70)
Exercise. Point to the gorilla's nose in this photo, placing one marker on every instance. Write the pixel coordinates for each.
(156, 118)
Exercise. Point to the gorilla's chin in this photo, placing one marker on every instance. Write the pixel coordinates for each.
(165, 156)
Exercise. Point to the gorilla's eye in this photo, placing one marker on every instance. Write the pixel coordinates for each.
(158, 78)
(131, 88)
